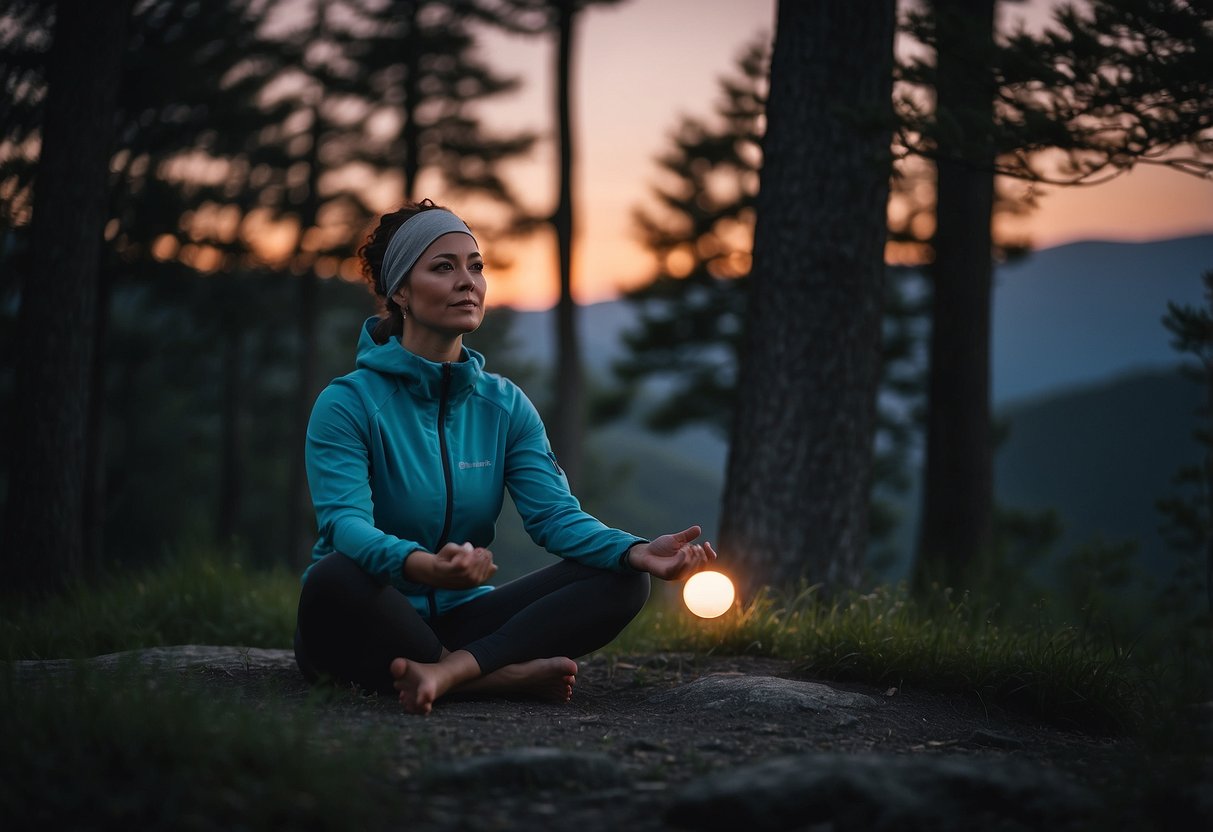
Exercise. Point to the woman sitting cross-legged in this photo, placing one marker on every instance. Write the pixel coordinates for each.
(408, 460)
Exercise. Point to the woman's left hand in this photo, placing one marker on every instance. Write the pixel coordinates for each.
(672, 557)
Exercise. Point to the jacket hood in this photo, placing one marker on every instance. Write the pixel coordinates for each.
(420, 376)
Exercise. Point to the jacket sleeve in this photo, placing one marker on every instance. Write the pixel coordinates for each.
(337, 455)
(550, 513)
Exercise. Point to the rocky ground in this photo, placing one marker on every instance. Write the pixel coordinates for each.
(672, 741)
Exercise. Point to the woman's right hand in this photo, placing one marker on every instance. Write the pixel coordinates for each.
(456, 566)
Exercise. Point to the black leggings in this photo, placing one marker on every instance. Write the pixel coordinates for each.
(350, 626)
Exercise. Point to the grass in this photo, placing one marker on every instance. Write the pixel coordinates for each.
(884, 637)
(953, 645)
(133, 748)
(194, 597)
(141, 751)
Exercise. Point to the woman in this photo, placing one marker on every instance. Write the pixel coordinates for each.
(408, 460)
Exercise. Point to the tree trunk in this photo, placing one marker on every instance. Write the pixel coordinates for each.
(44, 513)
(1208, 463)
(411, 132)
(796, 495)
(95, 446)
(228, 521)
(1209, 509)
(958, 487)
(299, 536)
(568, 422)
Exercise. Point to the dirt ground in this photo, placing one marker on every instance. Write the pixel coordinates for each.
(618, 752)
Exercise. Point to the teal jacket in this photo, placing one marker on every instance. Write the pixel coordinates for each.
(405, 454)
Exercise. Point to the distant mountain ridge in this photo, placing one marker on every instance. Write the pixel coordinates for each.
(1087, 312)
(1083, 372)
(1074, 314)
(1102, 455)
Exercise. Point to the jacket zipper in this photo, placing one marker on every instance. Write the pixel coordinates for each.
(446, 475)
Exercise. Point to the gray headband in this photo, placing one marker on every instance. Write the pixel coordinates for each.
(412, 239)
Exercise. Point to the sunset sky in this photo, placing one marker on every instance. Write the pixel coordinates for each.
(642, 64)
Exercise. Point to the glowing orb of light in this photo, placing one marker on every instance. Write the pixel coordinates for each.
(708, 594)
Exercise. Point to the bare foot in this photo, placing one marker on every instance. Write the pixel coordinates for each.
(548, 679)
(419, 684)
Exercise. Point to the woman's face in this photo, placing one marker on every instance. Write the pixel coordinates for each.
(445, 290)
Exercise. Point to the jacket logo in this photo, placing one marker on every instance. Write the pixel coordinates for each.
(484, 463)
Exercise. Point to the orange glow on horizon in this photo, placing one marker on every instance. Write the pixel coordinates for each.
(1147, 204)
(632, 81)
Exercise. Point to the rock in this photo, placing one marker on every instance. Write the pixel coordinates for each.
(990, 739)
(882, 792)
(527, 768)
(767, 698)
(176, 658)
(1200, 717)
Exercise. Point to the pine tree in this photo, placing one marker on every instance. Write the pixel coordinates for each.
(690, 317)
(1117, 84)
(186, 104)
(957, 519)
(1188, 517)
(1124, 85)
(560, 19)
(44, 509)
(800, 456)
(226, 132)
(424, 76)
(24, 42)
(349, 70)
(687, 338)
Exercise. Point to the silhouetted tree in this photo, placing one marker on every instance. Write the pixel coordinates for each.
(1120, 83)
(426, 75)
(177, 190)
(24, 42)
(796, 493)
(690, 317)
(1113, 84)
(568, 406)
(387, 88)
(1188, 517)
(44, 509)
(559, 18)
(957, 516)
(189, 98)
(222, 131)
(683, 352)
(320, 131)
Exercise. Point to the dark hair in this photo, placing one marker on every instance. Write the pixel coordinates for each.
(372, 252)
